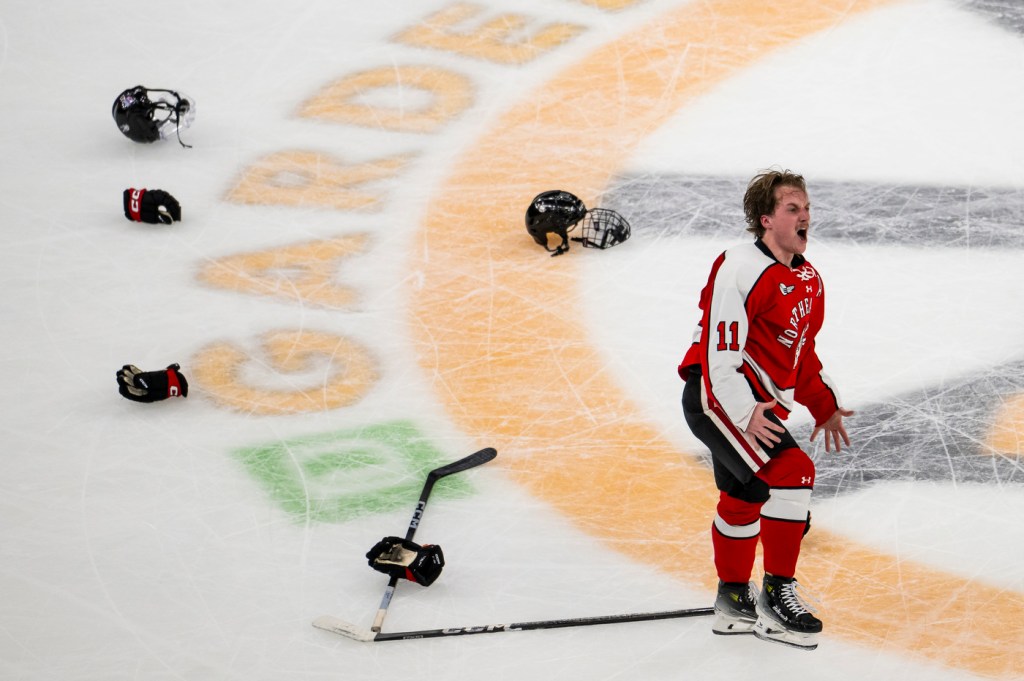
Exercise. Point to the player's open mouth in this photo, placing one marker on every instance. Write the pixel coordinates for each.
(802, 233)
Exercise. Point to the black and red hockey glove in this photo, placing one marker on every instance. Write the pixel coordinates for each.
(154, 206)
(151, 386)
(405, 559)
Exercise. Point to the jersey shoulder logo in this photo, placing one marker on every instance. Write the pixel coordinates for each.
(805, 273)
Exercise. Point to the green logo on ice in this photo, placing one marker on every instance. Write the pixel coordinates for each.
(335, 477)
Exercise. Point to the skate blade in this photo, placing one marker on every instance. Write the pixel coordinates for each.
(767, 631)
(724, 625)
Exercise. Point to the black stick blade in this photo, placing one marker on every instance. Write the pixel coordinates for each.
(472, 461)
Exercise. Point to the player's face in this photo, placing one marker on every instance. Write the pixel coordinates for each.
(787, 229)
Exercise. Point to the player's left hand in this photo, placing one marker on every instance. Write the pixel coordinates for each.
(835, 431)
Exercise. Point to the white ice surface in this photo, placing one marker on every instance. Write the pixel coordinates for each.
(132, 546)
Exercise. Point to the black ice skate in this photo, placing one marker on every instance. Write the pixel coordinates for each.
(735, 611)
(783, 617)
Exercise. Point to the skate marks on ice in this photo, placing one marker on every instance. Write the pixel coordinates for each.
(848, 213)
(500, 333)
(1006, 13)
(966, 432)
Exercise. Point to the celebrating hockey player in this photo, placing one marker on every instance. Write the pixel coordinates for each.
(753, 355)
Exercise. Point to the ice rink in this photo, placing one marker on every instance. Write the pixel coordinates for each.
(355, 301)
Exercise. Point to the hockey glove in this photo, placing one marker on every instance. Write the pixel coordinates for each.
(154, 206)
(151, 386)
(404, 559)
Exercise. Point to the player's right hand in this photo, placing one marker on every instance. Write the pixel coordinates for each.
(761, 428)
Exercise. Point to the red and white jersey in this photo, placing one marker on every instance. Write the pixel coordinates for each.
(756, 335)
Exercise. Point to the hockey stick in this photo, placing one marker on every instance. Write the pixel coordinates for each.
(473, 460)
(336, 626)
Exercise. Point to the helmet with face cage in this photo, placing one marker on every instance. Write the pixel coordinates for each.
(603, 228)
(149, 114)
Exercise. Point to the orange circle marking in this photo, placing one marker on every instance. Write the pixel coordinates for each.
(501, 336)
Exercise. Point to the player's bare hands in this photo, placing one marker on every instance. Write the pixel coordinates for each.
(761, 428)
(835, 431)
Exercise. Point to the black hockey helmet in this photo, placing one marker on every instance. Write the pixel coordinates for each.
(557, 212)
(146, 115)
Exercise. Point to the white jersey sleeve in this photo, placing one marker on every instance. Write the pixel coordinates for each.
(727, 325)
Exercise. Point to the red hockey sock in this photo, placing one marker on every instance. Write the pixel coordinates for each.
(781, 540)
(734, 558)
(734, 538)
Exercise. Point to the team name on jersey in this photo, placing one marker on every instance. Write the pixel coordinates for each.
(799, 311)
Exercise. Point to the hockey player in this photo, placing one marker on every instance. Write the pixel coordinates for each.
(753, 355)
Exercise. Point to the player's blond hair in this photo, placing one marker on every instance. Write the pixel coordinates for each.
(761, 197)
